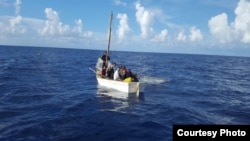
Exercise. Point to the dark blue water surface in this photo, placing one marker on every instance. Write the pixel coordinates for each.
(50, 94)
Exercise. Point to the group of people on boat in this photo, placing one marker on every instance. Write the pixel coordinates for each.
(108, 70)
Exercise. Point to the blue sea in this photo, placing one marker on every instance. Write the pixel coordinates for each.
(50, 94)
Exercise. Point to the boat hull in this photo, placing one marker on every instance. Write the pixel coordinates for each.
(131, 87)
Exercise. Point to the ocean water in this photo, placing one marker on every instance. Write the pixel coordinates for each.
(50, 94)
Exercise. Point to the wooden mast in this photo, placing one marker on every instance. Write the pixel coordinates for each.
(110, 24)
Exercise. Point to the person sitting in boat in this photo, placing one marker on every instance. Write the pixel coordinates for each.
(107, 71)
(105, 58)
(110, 71)
(104, 70)
(99, 66)
(123, 74)
(128, 76)
(117, 74)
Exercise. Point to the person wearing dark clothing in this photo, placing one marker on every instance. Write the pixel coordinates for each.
(126, 73)
(110, 72)
(104, 71)
(104, 57)
(123, 74)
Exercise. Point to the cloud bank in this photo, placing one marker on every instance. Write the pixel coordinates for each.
(152, 28)
(49, 30)
(239, 29)
(54, 27)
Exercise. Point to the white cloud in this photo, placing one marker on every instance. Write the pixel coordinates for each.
(220, 29)
(88, 34)
(51, 14)
(195, 34)
(161, 37)
(242, 20)
(119, 2)
(145, 19)
(12, 25)
(49, 32)
(123, 28)
(78, 28)
(181, 37)
(54, 27)
(17, 6)
(14, 22)
(239, 29)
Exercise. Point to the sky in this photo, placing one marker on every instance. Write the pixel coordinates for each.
(213, 27)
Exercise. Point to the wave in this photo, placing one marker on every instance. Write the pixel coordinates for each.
(152, 80)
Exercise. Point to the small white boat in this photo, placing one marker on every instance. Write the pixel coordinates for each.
(127, 87)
